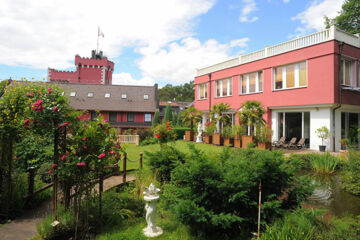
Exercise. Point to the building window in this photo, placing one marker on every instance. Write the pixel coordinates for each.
(107, 95)
(72, 94)
(290, 76)
(345, 72)
(112, 116)
(123, 96)
(223, 87)
(93, 115)
(130, 117)
(251, 83)
(90, 94)
(202, 91)
(147, 117)
(146, 96)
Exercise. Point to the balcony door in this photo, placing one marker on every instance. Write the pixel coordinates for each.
(294, 124)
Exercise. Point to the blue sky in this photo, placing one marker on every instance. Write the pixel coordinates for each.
(158, 41)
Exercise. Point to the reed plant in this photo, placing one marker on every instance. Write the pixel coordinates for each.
(324, 163)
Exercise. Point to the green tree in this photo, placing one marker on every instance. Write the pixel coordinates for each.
(191, 116)
(184, 92)
(348, 18)
(251, 114)
(218, 114)
(156, 120)
(168, 114)
(175, 118)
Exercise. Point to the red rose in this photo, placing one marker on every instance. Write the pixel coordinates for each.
(66, 123)
(157, 136)
(63, 157)
(50, 90)
(85, 147)
(55, 109)
(81, 164)
(51, 171)
(84, 138)
(102, 155)
(53, 165)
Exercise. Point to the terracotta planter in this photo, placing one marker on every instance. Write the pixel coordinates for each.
(246, 140)
(217, 139)
(189, 135)
(237, 142)
(229, 142)
(264, 145)
(208, 139)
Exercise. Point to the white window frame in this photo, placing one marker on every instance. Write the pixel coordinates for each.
(90, 94)
(123, 96)
(296, 76)
(221, 81)
(107, 95)
(257, 83)
(205, 91)
(72, 94)
(350, 73)
(146, 96)
(147, 115)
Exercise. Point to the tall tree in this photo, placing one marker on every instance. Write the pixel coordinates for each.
(184, 92)
(168, 114)
(156, 120)
(348, 18)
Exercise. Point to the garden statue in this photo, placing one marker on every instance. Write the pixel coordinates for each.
(199, 136)
(151, 197)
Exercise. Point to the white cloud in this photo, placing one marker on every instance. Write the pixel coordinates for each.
(126, 79)
(250, 6)
(286, 1)
(178, 62)
(46, 33)
(313, 17)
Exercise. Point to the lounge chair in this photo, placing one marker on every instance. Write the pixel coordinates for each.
(299, 145)
(279, 143)
(291, 144)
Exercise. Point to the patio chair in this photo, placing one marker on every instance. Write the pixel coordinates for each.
(291, 144)
(279, 143)
(299, 145)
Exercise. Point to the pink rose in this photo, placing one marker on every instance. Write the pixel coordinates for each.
(81, 164)
(84, 138)
(55, 109)
(63, 157)
(51, 171)
(53, 165)
(112, 152)
(102, 155)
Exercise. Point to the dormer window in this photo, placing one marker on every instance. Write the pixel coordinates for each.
(90, 94)
(123, 96)
(146, 96)
(72, 94)
(107, 95)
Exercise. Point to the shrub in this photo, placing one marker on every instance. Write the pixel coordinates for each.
(228, 132)
(144, 133)
(221, 200)
(300, 162)
(351, 173)
(148, 141)
(164, 161)
(180, 132)
(210, 128)
(324, 163)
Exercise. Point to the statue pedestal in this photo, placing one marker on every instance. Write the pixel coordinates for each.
(151, 230)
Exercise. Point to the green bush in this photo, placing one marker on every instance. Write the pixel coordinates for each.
(180, 132)
(351, 173)
(300, 162)
(164, 161)
(148, 141)
(324, 163)
(144, 133)
(221, 200)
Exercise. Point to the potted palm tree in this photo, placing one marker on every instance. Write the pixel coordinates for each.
(322, 133)
(238, 131)
(210, 128)
(218, 114)
(263, 136)
(228, 136)
(189, 117)
(250, 114)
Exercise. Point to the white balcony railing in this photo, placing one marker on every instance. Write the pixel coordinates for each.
(309, 40)
(129, 139)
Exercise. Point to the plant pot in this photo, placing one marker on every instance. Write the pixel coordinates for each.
(237, 142)
(208, 139)
(246, 140)
(322, 148)
(266, 145)
(189, 135)
(217, 139)
(229, 142)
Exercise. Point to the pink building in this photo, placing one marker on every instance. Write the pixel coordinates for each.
(95, 70)
(304, 84)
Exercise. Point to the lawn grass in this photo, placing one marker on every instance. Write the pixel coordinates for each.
(133, 151)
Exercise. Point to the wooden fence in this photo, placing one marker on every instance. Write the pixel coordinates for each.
(129, 139)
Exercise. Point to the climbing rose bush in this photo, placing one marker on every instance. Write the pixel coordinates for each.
(164, 133)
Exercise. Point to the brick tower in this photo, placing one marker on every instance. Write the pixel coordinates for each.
(95, 70)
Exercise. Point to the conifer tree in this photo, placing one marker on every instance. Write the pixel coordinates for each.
(168, 114)
(156, 120)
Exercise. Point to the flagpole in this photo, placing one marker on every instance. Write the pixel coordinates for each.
(97, 45)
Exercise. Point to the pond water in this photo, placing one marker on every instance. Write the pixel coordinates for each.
(329, 195)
